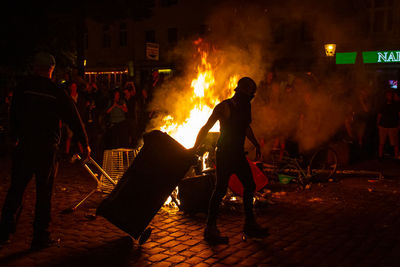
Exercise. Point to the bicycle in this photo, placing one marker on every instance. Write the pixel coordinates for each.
(320, 166)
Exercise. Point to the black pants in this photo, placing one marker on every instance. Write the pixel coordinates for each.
(229, 163)
(31, 160)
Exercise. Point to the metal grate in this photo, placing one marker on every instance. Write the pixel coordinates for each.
(115, 163)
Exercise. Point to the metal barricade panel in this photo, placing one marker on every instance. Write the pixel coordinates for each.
(115, 163)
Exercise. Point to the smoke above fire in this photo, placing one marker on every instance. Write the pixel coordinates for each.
(211, 67)
(304, 107)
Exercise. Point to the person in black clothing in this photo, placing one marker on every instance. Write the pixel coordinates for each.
(72, 144)
(388, 122)
(143, 114)
(91, 119)
(131, 99)
(36, 110)
(234, 115)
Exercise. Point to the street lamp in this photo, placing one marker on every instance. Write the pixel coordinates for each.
(330, 55)
(330, 50)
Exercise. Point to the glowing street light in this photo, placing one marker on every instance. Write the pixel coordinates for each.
(330, 50)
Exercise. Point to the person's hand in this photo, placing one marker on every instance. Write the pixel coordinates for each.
(192, 150)
(193, 154)
(86, 153)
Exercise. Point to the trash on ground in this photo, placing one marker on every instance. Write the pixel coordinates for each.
(279, 194)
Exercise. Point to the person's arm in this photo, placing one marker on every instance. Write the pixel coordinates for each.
(111, 107)
(378, 119)
(216, 115)
(364, 106)
(14, 117)
(123, 107)
(69, 114)
(250, 135)
(347, 123)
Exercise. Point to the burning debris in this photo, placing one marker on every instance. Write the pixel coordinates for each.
(190, 115)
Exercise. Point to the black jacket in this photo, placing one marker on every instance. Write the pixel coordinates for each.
(37, 109)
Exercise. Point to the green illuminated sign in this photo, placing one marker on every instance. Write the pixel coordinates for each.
(346, 58)
(381, 56)
(369, 57)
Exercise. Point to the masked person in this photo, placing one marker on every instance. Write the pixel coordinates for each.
(234, 115)
(36, 112)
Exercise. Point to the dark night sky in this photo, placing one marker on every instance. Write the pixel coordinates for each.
(25, 29)
(51, 26)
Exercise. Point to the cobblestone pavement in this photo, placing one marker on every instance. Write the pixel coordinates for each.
(351, 222)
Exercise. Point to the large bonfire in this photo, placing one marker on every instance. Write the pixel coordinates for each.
(200, 103)
(204, 96)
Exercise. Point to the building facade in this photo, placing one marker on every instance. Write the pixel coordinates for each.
(131, 50)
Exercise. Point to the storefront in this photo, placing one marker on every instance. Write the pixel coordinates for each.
(107, 77)
(383, 66)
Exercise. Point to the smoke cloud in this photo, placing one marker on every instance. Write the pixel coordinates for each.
(235, 48)
(308, 108)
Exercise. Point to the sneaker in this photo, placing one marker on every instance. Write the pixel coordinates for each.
(42, 243)
(213, 236)
(255, 230)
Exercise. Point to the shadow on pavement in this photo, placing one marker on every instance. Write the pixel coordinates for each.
(14, 256)
(115, 253)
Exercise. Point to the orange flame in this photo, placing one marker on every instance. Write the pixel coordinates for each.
(204, 98)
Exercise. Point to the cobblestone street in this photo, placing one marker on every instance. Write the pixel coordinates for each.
(351, 222)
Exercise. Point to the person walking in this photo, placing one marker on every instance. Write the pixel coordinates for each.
(234, 115)
(36, 112)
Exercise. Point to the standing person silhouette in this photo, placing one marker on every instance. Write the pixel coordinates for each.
(36, 112)
(234, 115)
